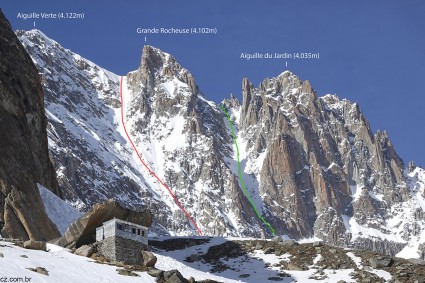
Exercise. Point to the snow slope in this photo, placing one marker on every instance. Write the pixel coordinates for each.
(61, 213)
(62, 266)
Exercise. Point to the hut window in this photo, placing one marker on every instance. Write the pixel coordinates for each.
(119, 225)
(133, 230)
(143, 233)
(138, 232)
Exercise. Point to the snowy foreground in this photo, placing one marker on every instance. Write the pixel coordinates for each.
(63, 266)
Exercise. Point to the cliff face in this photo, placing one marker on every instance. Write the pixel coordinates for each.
(24, 159)
(323, 171)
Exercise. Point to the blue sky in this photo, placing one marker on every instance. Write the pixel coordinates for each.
(371, 52)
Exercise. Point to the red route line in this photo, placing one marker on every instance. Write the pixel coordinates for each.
(147, 167)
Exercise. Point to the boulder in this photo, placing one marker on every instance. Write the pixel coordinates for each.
(149, 259)
(35, 245)
(289, 243)
(126, 272)
(277, 239)
(83, 230)
(40, 270)
(155, 272)
(269, 250)
(174, 276)
(292, 266)
(380, 262)
(193, 258)
(84, 251)
(416, 261)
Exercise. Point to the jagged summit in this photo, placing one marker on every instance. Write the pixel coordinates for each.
(157, 65)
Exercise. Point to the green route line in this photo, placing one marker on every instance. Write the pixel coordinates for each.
(240, 174)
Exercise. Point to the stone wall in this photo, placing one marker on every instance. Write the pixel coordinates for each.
(119, 249)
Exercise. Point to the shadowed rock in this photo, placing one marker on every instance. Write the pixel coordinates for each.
(24, 158)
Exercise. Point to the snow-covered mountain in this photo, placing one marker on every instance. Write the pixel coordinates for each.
(311, 164)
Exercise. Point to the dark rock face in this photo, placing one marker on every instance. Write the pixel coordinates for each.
(83, 230)
(24, 159)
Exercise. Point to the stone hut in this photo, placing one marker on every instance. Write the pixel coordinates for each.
(122, 241)
(124, 229)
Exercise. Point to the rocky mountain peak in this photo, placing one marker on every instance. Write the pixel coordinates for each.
(157, 66)
(232, 103)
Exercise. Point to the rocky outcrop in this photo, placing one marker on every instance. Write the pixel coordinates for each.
(83, 230)
(24, 159)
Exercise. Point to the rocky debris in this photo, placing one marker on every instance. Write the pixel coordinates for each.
(40, 270)
(126, 272)
(83, 230)
(174, 276)
(24, 256)
(289, 243)
(149, 260)
(293, 266)
(229, 249)
(35, 245)
(193, 258)
(1, 255)
(319, 256)
(380, 262)
(24, 158)
(84, 250)
(416, 261)
(277, 239)
(156, 272)
(177, 243)
(269, 250)
(366, 277)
